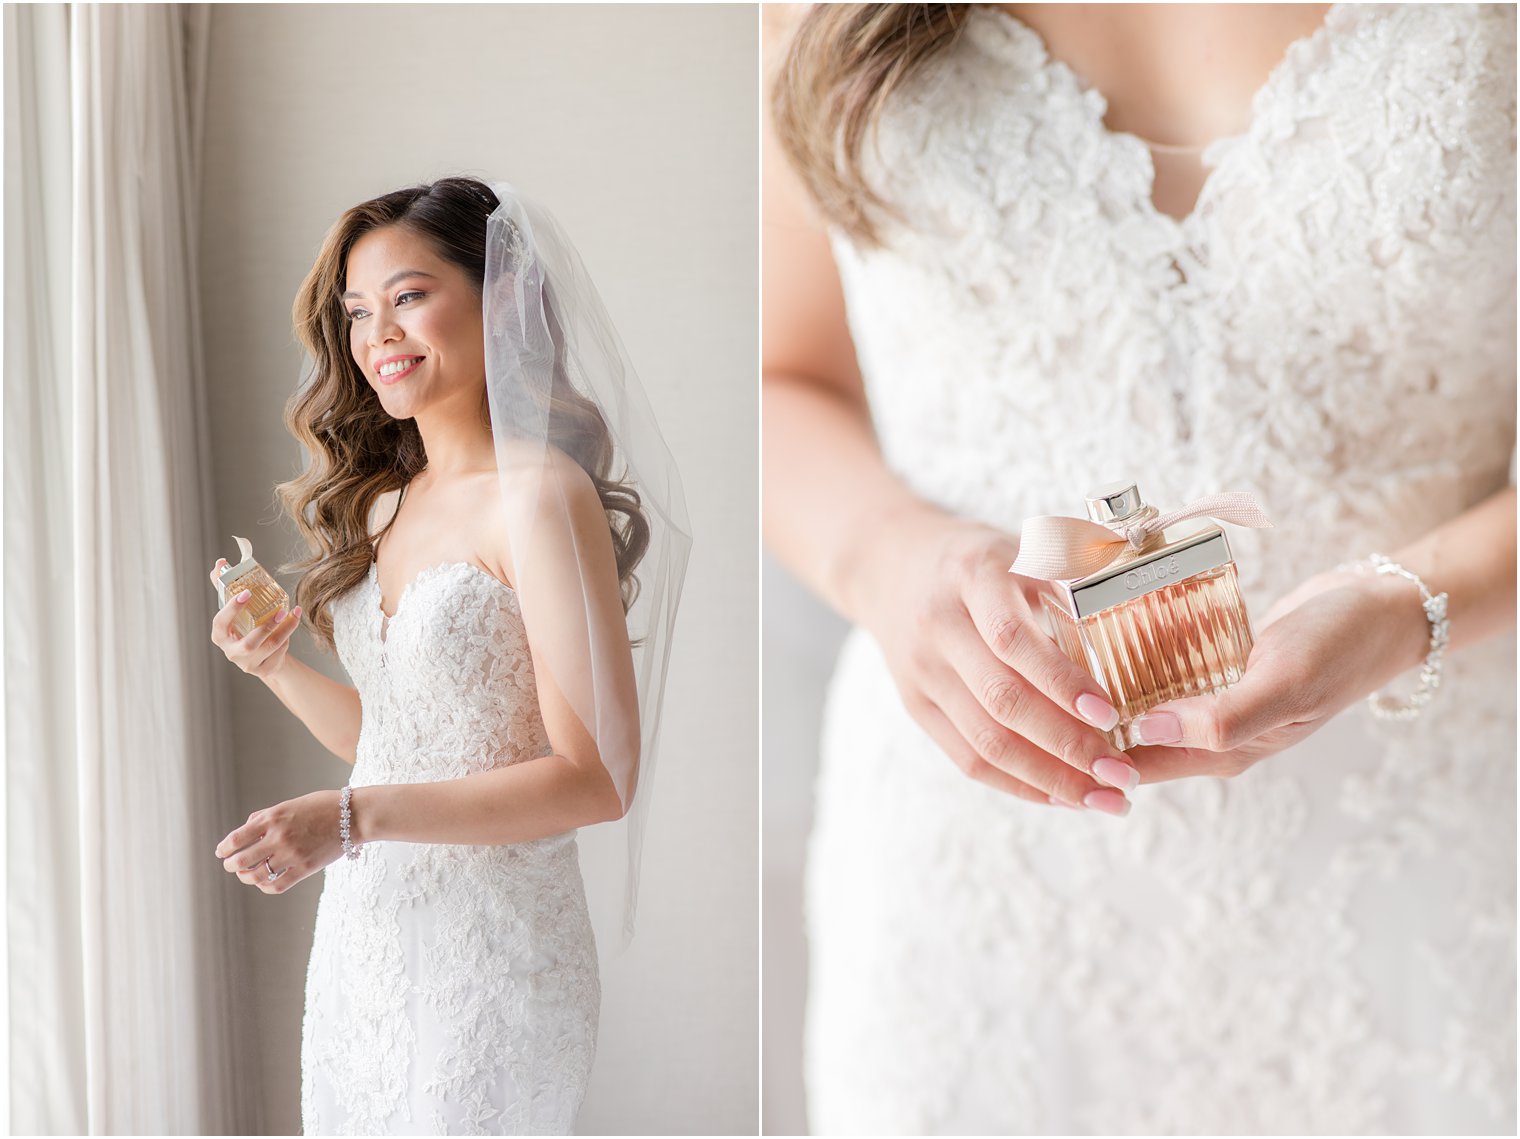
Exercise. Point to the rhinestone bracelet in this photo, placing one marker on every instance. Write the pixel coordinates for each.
(1385, 707)
(349, 849)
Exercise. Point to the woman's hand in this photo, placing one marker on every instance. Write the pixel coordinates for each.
(261, 651)
(297, 838)
(976, 670)
(1332, 641)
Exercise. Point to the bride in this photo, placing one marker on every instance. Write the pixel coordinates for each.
(473, 557)
(1013, 253)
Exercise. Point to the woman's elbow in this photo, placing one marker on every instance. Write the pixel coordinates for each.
(602, 802)
(608, 804)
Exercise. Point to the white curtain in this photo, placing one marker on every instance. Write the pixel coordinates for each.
(122, 944)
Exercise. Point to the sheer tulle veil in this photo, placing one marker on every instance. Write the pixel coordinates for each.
(551, 355)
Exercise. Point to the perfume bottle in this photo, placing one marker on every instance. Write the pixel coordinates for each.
(1157, 623)
(266, 595)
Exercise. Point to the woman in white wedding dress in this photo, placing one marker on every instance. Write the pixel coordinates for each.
(452, 985)
(1016, 252)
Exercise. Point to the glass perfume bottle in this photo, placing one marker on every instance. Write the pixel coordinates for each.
(1158, 623)
(266, 595)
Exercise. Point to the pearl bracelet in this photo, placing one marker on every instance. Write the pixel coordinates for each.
(1385, 707)
(349, 849)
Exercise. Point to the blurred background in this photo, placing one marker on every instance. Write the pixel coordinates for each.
(170, 171)
(800, 639)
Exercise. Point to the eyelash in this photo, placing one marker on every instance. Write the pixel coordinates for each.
(409, 293)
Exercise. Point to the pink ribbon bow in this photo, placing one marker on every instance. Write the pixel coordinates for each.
(1054, 547)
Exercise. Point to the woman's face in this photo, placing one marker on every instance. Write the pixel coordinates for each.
(403, 302)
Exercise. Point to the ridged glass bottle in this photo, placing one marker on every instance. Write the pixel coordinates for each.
(266, 598)
(1161, 623)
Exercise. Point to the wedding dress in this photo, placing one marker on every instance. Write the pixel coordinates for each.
(452, 989)
(1327, 942)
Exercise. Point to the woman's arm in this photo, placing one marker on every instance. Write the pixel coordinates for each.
(330, 710)
(828, 492)
(1471, 559)
(532, 799)
(964, 648)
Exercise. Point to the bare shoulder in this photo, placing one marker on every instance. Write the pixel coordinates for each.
(383, 509)
(542, 485)
(538, 478)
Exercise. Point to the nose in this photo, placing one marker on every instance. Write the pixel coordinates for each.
(382, 328)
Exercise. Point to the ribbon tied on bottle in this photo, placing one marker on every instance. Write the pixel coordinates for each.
(1054, 547)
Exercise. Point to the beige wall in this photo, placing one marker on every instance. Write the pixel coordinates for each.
(636, 125)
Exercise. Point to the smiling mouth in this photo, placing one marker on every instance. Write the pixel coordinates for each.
(407, 371)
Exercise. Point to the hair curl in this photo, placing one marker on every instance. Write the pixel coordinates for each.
(358, 451)
(834, 78)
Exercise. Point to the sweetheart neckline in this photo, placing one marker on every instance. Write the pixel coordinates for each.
(1272, 88)
(425, 571)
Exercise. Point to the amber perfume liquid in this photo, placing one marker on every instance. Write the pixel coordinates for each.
(266, 598)
(1185, 639)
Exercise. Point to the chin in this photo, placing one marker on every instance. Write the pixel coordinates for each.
(399, 403)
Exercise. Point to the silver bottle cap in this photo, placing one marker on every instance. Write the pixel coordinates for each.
(1114, 502)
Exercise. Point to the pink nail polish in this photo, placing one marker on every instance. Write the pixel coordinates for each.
(1116, 773)
(1097, 711)
(1159, 728)
(1107, 801)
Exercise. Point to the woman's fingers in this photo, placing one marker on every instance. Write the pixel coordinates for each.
(252, 864)
(248, 863)
(1018, 704)
(1224, 733)
(1268, 696)
(953, 744)
(1161, 764)
(255, 638)
(222, 633)
(1011, 752)
(248, 858)
(1005, 624)
(254, 648)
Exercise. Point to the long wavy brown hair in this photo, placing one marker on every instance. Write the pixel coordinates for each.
(842, 64)
(358, 451)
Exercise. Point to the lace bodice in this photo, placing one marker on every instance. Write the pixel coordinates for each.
(446, 682)
(1327, 942)
(452, 988)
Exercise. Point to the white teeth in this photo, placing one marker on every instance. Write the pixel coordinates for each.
(398, 366)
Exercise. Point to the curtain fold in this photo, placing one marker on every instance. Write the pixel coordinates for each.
(123, 939)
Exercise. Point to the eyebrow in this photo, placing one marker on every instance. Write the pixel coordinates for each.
(401, 276)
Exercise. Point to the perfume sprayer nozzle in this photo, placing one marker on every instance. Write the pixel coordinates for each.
(1114, 502)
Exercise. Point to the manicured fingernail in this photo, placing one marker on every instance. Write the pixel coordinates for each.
(245, 595)
(1097, 711)
(1109, 802)
(1055, 802)
(1116, 773)
(279, 615)
(1159, 728)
